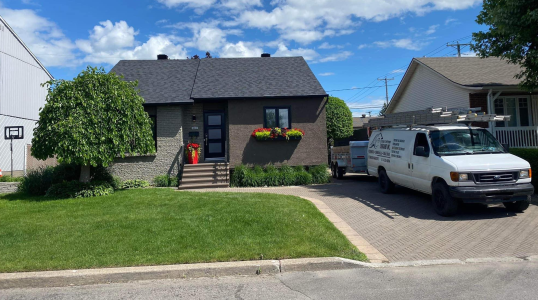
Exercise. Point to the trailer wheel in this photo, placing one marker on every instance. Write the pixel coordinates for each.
(341, 172)
(333, 170)
(386, 185)
(518, 206)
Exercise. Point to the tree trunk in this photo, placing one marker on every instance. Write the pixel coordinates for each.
(84, 173)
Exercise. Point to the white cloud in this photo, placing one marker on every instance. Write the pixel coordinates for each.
(468, 53)
(188, 3)
(450, 20)
(44, 38)
(240, 4)
(200, 6)
(431, 29)
(108, 36)
(326, 45)
(339, 56)
(326, 74)
(308, 54)
(362, 46)
(240, 49)
(397, 71)
(370, 107)
(407, 43)
(155, 45)
(163, 21)
(207, 36)
(313, 17)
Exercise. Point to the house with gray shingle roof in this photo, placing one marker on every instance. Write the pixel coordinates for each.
(218, 103)
(463, 82)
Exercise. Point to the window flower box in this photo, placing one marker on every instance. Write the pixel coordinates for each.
(276, 134)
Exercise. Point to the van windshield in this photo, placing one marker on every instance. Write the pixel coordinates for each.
(464, 142)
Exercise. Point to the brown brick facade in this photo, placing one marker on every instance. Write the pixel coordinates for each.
(307, 114)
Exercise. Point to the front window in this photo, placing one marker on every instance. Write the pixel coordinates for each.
(464, 142)
(519, 109)
(277, 117)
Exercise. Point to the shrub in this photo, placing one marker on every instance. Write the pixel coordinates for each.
(117, 183)
(76, 189)
(287, 175)
(37, 181)
(320, 174)
(238, 176)
(254, 177)
(165, 181)
(303, 178)
(531, 156)
(134, 184)
(272, 176)
(10, 179)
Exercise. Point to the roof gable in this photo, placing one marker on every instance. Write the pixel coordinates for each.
(21, 42)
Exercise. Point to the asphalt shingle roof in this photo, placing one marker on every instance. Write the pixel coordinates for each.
(161, 81)
(255, 77)
(474, 71)
(176, 81)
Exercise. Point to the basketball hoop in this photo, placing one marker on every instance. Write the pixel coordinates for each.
(13, 132)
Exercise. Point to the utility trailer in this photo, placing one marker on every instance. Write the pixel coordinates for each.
(351, 158)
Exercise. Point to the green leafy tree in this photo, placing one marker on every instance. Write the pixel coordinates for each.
(91, 120)
(339, 119)
(512, 35)
(383, 109)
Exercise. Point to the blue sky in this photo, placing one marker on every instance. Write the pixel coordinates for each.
(347, 43)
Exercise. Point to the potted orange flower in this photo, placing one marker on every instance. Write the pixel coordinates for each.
(193, 152)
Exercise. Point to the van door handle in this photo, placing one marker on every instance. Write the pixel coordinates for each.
(408, 165)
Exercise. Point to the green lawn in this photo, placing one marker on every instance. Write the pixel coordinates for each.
(162, 226)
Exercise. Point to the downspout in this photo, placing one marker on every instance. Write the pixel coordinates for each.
(490, 110)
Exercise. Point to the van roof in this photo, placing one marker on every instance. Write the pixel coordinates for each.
(432, 127)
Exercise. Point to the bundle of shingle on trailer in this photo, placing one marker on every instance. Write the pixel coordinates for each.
(433, 116)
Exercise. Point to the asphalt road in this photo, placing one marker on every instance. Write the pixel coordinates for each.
(514, 280)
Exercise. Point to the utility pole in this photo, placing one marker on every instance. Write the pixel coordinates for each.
(458, 46)
(386, 87)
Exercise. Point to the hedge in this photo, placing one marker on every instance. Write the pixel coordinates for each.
(531, 156)
(257, 176)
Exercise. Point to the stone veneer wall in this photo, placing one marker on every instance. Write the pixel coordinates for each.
(170, 150)
(8, 187)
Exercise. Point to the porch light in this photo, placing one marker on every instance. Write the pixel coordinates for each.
(193, 118)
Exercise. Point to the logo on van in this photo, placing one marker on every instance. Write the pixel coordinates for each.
(376, 141)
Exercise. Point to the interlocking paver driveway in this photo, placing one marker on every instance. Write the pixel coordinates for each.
(404, 227)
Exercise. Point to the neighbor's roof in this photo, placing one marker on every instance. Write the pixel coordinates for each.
(466, 72)
(474, 71)
(358, 122)
(161, 81)
(182, 81)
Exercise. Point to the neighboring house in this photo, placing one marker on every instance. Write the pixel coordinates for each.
(465, 82)
(218, 102)
(21, 96)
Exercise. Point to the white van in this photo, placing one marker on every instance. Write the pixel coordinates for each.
(454, 163)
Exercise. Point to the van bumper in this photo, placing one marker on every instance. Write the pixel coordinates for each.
(492, 193)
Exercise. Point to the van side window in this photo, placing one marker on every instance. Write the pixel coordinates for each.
(421, 140)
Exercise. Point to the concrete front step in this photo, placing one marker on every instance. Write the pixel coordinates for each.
(203, 165)
(205, 180)
(202, 185)
(204, 174)
(205, 169)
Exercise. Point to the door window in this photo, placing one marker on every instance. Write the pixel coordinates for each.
(421, 140)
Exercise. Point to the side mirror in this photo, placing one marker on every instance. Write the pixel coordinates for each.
(421, 152)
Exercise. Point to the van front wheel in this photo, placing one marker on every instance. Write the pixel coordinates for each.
(443, 203)
(386, 185)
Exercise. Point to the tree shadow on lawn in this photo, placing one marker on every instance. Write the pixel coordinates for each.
(19, 196)
(403, 202)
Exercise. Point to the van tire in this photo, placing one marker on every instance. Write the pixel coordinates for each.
(386, 185)
(443, 203)
(518, 206)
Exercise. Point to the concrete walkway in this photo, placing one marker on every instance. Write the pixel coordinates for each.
(404, 227)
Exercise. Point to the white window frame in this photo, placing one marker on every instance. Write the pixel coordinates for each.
(517, 97)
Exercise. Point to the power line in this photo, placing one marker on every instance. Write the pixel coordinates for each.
(360, 88)
(386, 86)
(458, 46)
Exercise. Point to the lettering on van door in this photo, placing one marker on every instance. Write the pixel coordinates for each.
(379, 149)
(397, 147)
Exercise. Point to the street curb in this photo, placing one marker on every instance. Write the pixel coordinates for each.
(197, 270)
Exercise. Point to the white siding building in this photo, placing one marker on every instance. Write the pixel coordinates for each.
(464, 82)
(21, 95)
